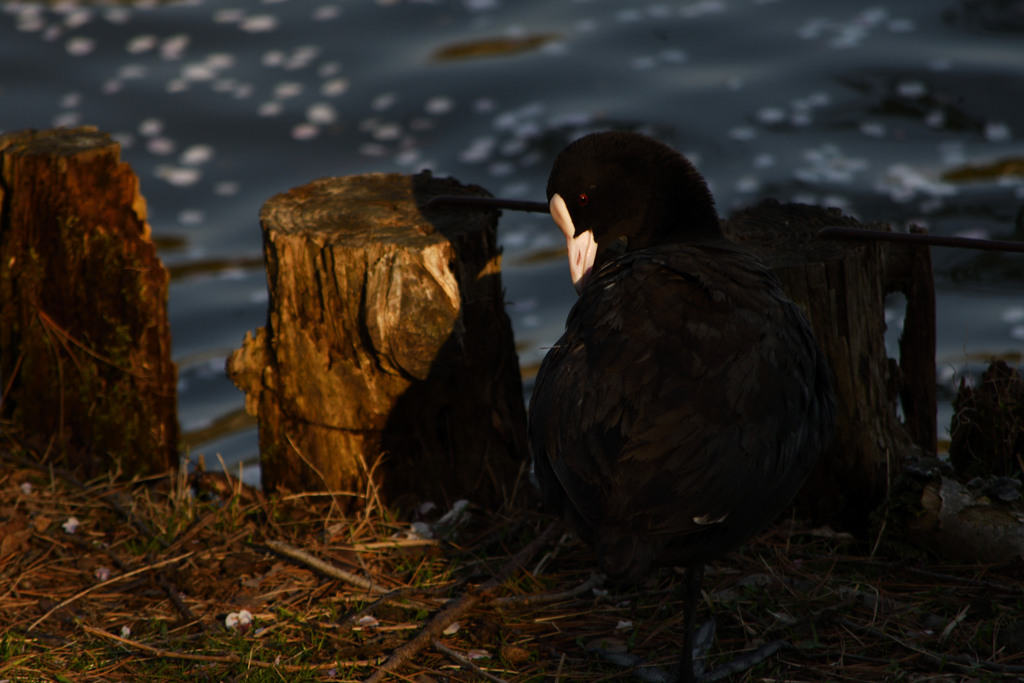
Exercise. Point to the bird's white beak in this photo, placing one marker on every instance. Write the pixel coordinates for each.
(582, 249)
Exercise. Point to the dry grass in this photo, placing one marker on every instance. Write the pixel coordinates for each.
(143, 594)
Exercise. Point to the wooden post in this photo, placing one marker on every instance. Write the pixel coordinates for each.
(841, 287)
(387, 349)
(85, 363)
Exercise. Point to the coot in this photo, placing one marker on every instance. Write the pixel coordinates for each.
(687, 400)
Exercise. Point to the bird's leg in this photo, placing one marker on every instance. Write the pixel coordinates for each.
(693, 578)
(691, 661)
(690, 668)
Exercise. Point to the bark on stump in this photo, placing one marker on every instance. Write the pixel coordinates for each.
(841, 287)
(85, 360)
(386, 334)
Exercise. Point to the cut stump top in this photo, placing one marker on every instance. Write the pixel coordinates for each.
(61, 143)
(383, 208)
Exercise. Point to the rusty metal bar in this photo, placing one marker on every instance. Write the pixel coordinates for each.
(828, 233)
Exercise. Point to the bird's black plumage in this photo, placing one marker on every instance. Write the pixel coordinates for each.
(687, 400)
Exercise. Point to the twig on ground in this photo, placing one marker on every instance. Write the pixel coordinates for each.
(638, 667)
(466, 663)
(323, 567)
(594, 581)
(172, 594)
(89, 546)
(500, 534)
(221, 659)
(962, 663)
(90, 589)
(161, 579)
(901, 565)
(400, 594)
(70, 478)
(160, 652)
(192, 531)
(456, 608)
(814, 619)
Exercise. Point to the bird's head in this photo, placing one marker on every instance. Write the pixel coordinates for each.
(618, 185)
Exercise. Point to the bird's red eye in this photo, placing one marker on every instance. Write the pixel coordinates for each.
(584, 199)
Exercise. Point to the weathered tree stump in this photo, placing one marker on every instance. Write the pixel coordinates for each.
(387, 348)
(85, 362)
(841, 287)
(987, 432)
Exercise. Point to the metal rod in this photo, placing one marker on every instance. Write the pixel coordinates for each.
(487, 203)
(916, 238)
(828, 233)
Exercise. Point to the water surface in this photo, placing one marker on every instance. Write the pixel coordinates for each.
(896, 112)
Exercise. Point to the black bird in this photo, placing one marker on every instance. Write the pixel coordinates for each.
(687, 400)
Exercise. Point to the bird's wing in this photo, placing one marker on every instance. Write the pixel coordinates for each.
(671, 399)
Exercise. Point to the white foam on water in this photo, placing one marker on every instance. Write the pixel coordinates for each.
(643, 62)
(227, 188)
(334, 87)
(911, 89)
(387, 132)
(125, 139)
(321, 113)
(771, 116)
(997, 131)
(439, 105)
(873, 129)
(287, 89)
(748, 184)
(178, 176)
(117, 15)
(228, 15)
(160, 146)
(384, 101)
(173, 48)
(268, 109)
(305, 131)
(302, 57)
(80, 46)
(328, 69)
(326, 13)
(150, 127)
(68, 119)
(273, 58)
(131, 72)
(484, 105)
(259, 23)
(196, 155)
(742, 133)
(501, 169)
(480, 149)
(1014, 314)
(370, 149)
(78, 18)
(700, 9)
(407, 157)
(191, 217)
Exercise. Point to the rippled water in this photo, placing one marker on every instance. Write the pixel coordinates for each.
(893, 112)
